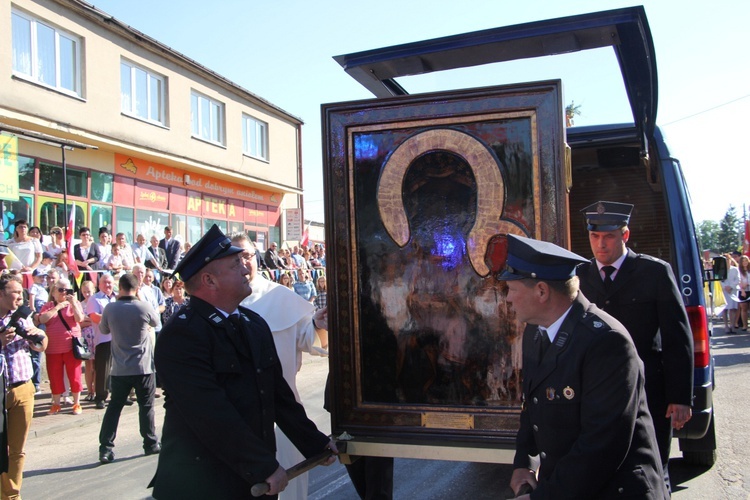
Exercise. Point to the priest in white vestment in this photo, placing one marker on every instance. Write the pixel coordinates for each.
(296, 328)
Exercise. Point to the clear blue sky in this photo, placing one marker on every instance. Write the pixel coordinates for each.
(282, 51)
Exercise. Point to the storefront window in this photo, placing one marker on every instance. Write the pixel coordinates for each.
(52, 213)
(207, 223)
(15, 210)
(149, 222)
(194, 231)
(101, 216)
(124, 222)
(51, 180)
(274, 234)
(236, 227)
(179, 227)
(101, 187)
(26, 173)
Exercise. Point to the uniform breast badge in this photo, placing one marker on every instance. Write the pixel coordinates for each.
(551, 393)
(569, 393)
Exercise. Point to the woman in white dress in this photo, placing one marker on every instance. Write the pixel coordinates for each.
(730, 286)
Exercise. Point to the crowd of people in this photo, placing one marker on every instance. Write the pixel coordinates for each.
(70, 300)
(736, 288)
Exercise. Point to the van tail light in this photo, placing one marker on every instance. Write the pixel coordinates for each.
(699, 326)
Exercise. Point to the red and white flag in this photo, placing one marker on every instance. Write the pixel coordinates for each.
(746, 246)
(305, 236)
(72, 266)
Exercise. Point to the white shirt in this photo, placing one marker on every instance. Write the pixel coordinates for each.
(616, 264)
(555, 327)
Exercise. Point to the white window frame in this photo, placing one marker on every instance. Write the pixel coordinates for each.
(132, 109)
(254, 133)
(197, 118)
(34, 73)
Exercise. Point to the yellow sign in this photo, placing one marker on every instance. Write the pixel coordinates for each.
(8, 167)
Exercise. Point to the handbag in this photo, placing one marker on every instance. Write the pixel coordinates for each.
(80, 346)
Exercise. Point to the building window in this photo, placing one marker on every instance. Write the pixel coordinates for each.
(26, 167)
(207, 118)
(254, 137)
(142, 93)
(45, 54)
(102, 185)
(51, 180)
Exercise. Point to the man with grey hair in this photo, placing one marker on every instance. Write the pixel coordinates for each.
(102, 361)
(129, 321)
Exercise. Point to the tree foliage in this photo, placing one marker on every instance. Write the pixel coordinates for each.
(725, 235)
(708, 231)
(729, 236)
(571, 111)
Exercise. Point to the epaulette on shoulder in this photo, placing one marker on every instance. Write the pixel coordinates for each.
(650, 258)
(184, 314)
(594, 322)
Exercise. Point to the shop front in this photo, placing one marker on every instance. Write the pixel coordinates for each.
(140, 197)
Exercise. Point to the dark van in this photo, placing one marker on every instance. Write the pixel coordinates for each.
(623, 162)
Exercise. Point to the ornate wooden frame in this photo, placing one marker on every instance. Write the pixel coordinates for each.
(503, 148)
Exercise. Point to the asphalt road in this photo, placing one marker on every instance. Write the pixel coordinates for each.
(62, 457)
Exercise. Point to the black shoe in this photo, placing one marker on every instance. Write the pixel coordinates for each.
(152, 450)
(100, 405)
(106, 456)
(129, 402)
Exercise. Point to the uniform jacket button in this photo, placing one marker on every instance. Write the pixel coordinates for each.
(535, 400)
(258, 370)
(543, 455)
(620, 490)
(535, 427)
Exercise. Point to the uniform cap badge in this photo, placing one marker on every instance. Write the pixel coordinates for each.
(569, 393)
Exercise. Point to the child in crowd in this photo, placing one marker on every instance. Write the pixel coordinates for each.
(61, 264)
(38, 293)
(321, 300)
(114, 262)
(304, 287)
(286, 280)
(87, 333)
(46, 264)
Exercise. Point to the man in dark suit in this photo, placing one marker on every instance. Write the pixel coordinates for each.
(641, 292)
(171, 247)
(224, 384)
(584, 411)
(272, 259)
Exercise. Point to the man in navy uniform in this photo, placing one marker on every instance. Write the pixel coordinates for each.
(641, 292)
(224, 386)
(584, 411)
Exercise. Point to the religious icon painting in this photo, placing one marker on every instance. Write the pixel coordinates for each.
(421, 193)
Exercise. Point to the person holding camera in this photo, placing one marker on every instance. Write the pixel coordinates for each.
(18, 337)
(63, 315)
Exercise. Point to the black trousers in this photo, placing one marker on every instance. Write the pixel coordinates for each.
(144, 392)
(372, 477)
(102, 366)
